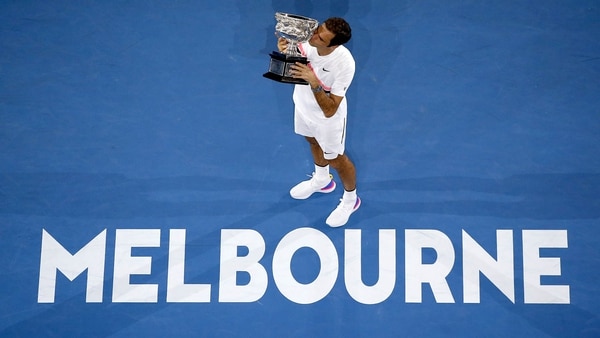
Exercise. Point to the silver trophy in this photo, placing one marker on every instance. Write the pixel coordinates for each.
(295, 29)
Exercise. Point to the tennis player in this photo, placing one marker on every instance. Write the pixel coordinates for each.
(320, 114)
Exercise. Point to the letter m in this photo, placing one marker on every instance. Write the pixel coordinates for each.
(55, 257)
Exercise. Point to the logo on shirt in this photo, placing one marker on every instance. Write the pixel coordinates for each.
(325, 70)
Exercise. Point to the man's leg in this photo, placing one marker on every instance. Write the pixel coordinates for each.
(317, 152)
(320, 181)
(346, 171)
(350, 201)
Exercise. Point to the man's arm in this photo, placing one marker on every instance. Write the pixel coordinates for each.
(329, 103)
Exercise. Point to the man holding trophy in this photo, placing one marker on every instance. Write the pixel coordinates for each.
(321, 110)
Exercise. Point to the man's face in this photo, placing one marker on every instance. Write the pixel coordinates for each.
(321, 37)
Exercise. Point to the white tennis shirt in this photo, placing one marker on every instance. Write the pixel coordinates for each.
(335, 73)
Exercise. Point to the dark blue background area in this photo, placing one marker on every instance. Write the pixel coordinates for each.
(474, 115)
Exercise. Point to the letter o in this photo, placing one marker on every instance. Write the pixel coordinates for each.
(282, 272)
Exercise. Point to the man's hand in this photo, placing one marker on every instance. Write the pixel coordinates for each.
(302, 71)
(282, 44)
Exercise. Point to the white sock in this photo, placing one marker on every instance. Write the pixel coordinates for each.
(349, 196)
(322, 173)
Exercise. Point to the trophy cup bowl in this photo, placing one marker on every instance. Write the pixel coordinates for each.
(295, 29)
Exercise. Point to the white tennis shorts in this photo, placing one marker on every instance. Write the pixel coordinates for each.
(330, 133)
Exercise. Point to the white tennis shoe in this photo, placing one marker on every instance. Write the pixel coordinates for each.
(341, 214)
(305, 189)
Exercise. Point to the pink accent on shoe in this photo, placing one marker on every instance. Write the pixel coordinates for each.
(329, 187)
(357, 204)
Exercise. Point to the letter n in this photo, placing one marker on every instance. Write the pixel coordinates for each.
(55, 257)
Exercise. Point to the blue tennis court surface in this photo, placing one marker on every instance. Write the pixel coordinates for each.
(145, 165)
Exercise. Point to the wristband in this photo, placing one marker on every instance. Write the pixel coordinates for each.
(316, 90)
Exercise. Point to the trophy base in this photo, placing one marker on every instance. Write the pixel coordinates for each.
(279, 69)
(284, 79)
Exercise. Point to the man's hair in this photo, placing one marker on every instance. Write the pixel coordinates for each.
(340, 28)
